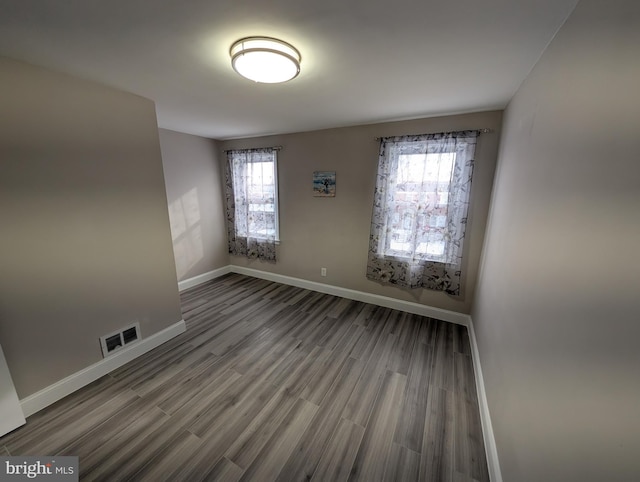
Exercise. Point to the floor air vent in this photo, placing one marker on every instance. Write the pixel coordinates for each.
(119, 339)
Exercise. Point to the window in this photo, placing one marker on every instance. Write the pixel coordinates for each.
(419, 197)
(262, 193)
(420, 210)
(252, 202)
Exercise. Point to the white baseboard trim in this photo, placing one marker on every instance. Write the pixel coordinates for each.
(493, 463)
(385, 301)
(12, 416)
(51, 394)
(203, 278)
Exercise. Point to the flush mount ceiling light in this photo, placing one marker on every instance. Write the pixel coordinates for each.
(265, 59)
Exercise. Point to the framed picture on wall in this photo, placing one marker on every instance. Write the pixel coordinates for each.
(324, 183)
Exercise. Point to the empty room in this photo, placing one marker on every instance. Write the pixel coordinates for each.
(326, 241)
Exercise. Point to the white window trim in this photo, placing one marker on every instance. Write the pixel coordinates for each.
(276, 195)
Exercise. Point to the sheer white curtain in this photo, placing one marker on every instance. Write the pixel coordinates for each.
(251, 201)
(420, 210)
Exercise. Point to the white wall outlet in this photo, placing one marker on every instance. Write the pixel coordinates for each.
(323, 271)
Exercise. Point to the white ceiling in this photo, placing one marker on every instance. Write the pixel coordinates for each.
(362, 61)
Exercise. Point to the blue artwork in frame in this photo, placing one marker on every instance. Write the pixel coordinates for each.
(324, 183)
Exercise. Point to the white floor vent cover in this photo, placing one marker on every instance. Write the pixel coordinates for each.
(119, 339)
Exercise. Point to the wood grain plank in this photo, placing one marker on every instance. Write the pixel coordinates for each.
(267, 363)
(281, 293)
(365, 315)
(470, 456)
(322, 306)
(278, 448)
(427, 330)
(300, 375)
(236, 407)
(248, 445)
(164, 372)
(230, 338)
(59, 433)
(135, 417)
(365, 345)
(306, 455)
(403, 464)
(410, 428)
(296, 298)
(225, 471)
(321, 330)
(375, 449)
(184, 413)
(231, 420)
(345, 308)
(337, 460)
(63, 412)
(162, 463)
(285, 366)
(442, 365)
(465, 385)
(114, 453)
(366, 390)
(459, 477)
(406, 332)
(436, 458)
(461, 343)
(186, 381)
(286, 321)
(199, 391)
(308, 301)
(331, 338)
(317, 388)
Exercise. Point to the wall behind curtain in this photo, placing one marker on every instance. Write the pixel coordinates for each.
(85, 247)
(192, 174)
(334, 232)
(557, 314)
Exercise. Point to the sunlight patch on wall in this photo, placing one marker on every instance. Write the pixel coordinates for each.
(184, 217)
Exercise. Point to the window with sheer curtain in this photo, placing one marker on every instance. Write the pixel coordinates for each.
(251, 191)
(420, 210)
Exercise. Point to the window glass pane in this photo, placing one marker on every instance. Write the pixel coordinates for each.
(418, 213)
(262, 198)
(430, 167)
(431, 244)
(437, 221)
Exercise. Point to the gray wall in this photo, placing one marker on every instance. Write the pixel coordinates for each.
(85, 246)
(334, 232)
(194, 191)
(557, 313)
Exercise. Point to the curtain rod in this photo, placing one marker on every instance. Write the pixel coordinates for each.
(483, 131)
(275, 148)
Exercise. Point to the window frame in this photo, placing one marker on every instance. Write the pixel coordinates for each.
(276, 203)
(413, 252)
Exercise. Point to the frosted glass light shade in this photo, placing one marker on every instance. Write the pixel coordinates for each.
(265, 59)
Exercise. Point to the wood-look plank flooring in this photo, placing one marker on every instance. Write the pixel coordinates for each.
(276, 383)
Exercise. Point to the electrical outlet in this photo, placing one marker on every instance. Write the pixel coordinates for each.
(323, 271)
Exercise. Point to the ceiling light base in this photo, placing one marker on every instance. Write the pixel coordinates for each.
(265, 59)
